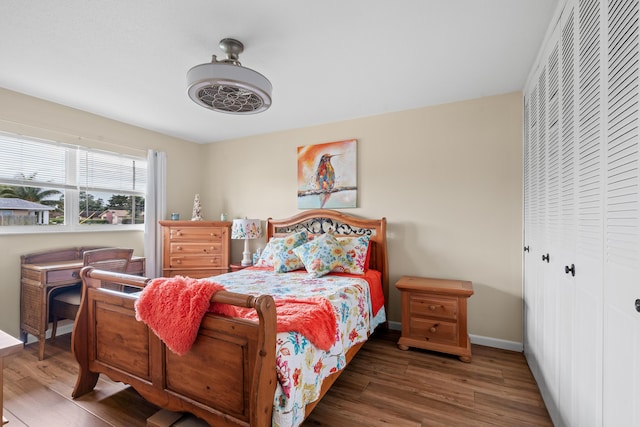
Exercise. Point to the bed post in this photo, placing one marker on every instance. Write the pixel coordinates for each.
(263, 384)
(87, 380)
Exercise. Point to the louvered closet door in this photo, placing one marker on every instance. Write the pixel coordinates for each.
(588, 264)
(551, 215)
(566, 245)
(532, 267)
(622, 249)
(529, 164)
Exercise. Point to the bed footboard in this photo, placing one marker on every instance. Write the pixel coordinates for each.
(228, 377)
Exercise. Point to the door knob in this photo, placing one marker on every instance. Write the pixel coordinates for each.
(571, 269)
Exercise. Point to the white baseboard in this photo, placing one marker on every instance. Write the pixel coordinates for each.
(396, 326)
(478, 339)
(497, 343)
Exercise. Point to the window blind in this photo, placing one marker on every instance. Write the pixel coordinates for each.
(102, 171)
(32, 162)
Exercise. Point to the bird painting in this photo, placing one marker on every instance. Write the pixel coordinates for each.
(325, 177)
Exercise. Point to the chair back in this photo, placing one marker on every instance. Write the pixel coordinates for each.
(109, 259)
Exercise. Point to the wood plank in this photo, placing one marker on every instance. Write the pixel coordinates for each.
(382, 386)
(36, 405)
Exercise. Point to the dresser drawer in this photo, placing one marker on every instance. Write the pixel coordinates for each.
(62, 276)
(195, 248)
(201, 234)
(435, 331)
(195, 261)
(433, 306)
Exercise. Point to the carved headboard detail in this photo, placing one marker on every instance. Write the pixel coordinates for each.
(320, 221)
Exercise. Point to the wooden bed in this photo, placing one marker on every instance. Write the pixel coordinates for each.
(228, 378)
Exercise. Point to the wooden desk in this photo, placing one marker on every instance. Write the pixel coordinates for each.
(8, 346)
(45, 273)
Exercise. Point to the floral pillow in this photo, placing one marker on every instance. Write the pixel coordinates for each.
(322, 255)
(266, 256)
(284, 258)
(357, 251)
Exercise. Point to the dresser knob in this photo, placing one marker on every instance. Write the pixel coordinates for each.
(545, 257)
(178, 233)
(432, 307)
(179, 261)
(178, 248)
(432, 329)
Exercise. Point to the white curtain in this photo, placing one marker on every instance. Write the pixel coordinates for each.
(155, 210)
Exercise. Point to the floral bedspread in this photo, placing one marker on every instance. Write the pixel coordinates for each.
(301, 366)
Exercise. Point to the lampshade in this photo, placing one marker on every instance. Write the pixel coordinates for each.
(246, 229)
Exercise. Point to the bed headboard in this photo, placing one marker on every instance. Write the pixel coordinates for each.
(320, 221)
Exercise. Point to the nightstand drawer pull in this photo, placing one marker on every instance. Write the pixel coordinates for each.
(432, 307)
(433, 328)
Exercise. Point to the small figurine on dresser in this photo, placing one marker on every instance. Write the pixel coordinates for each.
(196, 216)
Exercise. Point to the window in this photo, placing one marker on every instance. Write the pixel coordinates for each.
(49, 186)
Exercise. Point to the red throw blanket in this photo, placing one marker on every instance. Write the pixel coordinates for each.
(174, 307)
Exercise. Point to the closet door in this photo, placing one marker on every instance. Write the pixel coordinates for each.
(589, 238)
(534, 339)
(530, 205)
(622, 220)
(551, 214)
(566, 246)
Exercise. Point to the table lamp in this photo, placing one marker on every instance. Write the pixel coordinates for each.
(246, 229)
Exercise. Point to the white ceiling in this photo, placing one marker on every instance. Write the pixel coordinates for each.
(328, 60)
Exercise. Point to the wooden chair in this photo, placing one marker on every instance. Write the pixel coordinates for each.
(65, 304)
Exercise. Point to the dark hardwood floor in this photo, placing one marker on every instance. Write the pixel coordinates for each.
(383, 386)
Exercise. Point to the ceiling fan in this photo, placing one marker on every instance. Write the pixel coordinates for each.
(228, 87)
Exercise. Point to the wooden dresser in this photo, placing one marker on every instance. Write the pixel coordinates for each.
(434, 315)
(196, 248)
(44, 273)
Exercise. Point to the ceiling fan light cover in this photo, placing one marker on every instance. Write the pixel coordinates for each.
(229, 88)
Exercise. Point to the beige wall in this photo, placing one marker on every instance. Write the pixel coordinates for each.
(34, 117)
(447, 178)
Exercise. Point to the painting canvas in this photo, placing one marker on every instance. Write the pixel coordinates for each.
(327, 175)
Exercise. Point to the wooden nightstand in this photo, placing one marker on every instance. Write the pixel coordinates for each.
(237, 267)
(434, 315)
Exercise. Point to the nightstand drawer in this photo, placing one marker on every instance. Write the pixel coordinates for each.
(432, 306)
(435, 331)
(196, 248)
(195, 261)
(197, 233)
